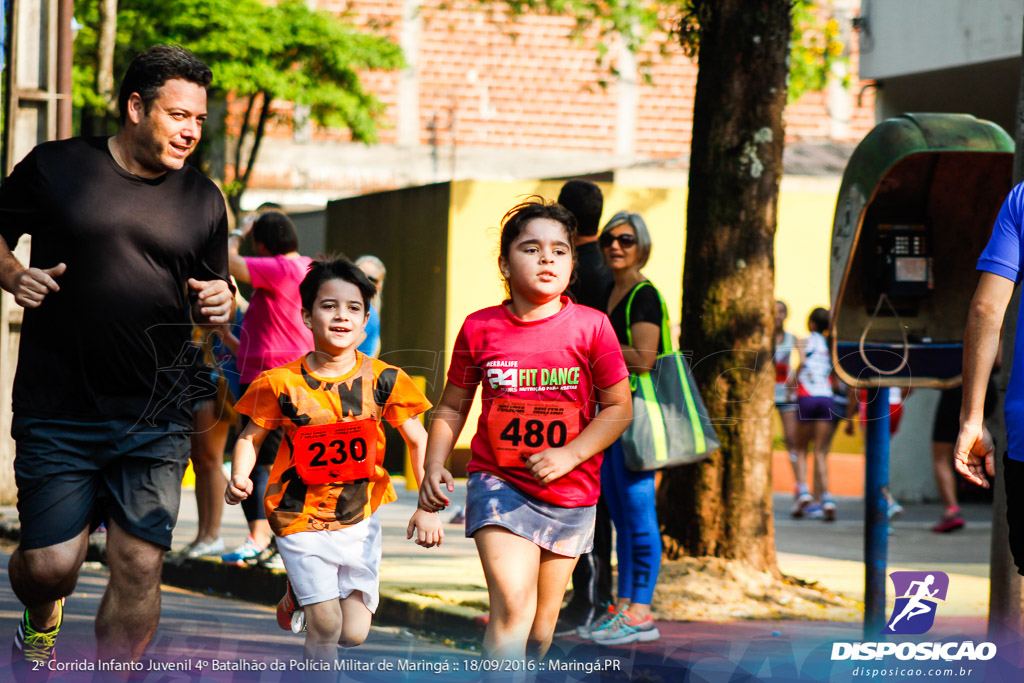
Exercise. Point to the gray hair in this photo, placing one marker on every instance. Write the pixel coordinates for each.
(373, 261)
(379, 265)
(643, 237)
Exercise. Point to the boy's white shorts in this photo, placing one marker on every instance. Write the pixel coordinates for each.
(327, 565)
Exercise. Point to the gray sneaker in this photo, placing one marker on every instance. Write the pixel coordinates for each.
(587, 630)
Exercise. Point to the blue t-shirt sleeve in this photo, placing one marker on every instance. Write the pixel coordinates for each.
(1002, 254)
(371, 345)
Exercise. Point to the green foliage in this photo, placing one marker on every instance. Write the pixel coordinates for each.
(815, 50)
(285, 50)
(258, 52)
(815, 45)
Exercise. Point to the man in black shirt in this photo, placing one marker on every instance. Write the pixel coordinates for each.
(129, 247)
(585, 201)
(592, 577)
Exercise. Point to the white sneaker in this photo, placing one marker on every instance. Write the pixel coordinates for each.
(800, 504)
(213, 548)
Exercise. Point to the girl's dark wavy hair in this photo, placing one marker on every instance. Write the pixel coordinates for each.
(535, 207)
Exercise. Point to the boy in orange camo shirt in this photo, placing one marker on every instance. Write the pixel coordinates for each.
(328, 478)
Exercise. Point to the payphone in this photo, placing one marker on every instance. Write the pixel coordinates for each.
(915, 209)
(902, 265)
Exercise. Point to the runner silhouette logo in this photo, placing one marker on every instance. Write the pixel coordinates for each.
(917, 598)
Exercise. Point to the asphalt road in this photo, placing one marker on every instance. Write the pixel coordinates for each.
(207, 638)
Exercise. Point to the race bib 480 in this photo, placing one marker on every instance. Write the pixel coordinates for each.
(517, 429)
(333, 453)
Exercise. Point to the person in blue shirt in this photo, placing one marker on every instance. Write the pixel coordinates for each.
(1000, 266)
(375, 272)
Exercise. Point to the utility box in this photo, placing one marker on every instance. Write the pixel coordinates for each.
(915, 210)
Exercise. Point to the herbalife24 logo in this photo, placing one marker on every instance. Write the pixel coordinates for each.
(917, 597)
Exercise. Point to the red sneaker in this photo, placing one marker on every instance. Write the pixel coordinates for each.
(290, 616)
(951, 521)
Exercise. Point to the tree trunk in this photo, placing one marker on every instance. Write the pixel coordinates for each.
(107, 41)
(722, 506)
(96, 120)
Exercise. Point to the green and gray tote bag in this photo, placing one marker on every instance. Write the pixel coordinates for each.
(670, 423)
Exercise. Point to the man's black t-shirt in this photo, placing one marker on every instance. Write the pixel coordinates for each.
(114, 341)
(646, 308)
(592, 278)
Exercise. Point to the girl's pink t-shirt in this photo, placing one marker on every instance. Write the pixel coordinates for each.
(538, 380)
(273, 333)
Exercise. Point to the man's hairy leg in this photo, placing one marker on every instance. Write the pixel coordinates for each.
(130, 610)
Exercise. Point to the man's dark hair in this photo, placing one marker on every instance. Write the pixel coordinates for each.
(584, 199)
(322, 271)
(276, 232)
(153, 67)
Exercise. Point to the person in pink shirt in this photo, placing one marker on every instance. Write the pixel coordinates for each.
(544, 365)
(272, 335)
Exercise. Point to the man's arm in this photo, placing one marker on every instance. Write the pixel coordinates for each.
(974, 451)
(28, 285)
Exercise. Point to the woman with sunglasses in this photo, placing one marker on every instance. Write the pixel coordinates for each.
(626, 245)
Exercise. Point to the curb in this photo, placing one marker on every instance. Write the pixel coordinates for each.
(266, 586)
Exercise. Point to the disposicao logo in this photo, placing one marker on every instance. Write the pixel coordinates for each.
(917, 598)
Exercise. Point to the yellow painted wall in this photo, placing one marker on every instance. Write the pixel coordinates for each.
(476, 211)
(802, 245)
(802, 242)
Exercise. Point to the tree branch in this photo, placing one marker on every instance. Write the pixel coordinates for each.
(241, 135)
(261, 126)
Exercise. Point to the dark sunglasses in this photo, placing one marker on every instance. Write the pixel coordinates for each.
(625, 240)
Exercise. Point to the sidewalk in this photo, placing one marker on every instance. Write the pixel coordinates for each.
(443, 590)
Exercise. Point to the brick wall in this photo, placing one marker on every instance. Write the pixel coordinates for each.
(540, 90)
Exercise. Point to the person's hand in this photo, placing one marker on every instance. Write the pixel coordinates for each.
(551, 463)
(238, 489)
(974, 454)
(214, 299)
(436, 481)
(32, 285)
(848, 428)
(245, 225)
(427, 527)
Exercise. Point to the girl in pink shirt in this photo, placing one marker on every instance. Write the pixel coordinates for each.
(544, 364)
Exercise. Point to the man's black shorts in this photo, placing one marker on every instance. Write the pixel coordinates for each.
(71, 475)
(1013, 477)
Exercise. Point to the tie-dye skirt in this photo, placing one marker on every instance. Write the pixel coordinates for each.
(490, 500)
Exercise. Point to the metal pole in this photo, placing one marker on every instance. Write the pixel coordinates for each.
(876, 520)
(65, 47)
